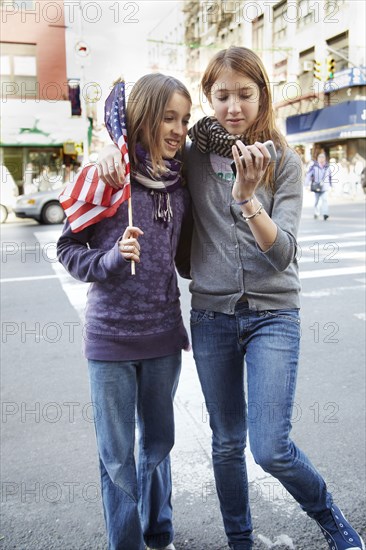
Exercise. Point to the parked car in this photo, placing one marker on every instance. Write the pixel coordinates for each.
(43, 206)
(8, 193)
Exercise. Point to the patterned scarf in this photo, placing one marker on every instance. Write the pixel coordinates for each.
(210, 137)
(161, 185)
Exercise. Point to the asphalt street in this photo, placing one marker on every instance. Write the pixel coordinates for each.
(49, 473)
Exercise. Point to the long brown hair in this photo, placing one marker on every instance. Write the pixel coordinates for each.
(247, 63)
(145, 112)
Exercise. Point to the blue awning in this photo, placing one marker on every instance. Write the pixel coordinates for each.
(343, 121)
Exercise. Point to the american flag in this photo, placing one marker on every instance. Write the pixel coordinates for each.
(88, 200)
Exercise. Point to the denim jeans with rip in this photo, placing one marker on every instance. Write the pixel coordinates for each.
(269, 343)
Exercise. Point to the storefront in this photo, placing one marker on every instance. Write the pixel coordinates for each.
(340, 130)
(42, 145)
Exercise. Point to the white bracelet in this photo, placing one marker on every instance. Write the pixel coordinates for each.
(256, 213)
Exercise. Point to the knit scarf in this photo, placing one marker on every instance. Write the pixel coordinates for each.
(210, 137)
(161, 185)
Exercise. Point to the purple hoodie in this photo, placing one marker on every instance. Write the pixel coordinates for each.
(130, 316)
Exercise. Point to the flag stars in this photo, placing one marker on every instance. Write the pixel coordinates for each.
(115, 116)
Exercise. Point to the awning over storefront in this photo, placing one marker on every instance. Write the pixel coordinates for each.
(40, 124)
(343, 121)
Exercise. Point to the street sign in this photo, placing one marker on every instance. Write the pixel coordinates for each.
(82, 49)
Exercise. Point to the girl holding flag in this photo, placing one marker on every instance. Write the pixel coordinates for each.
(245, 294)
(134, 331)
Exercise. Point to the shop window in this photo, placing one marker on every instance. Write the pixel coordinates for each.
(43, 169)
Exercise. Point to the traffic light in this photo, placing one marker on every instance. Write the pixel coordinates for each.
(317, 69)
(330, 68)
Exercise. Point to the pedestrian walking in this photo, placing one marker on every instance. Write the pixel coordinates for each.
(319, 177)
(245, 294)
(134, 331)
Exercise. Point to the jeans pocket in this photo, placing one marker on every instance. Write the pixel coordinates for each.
(198, 315)
(285, 314)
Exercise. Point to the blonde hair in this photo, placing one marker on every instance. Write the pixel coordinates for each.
(146, 105)
(247, 63)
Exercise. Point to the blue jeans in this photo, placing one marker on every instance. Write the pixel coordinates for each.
(136, 500)
(269, 342)
(321, 203)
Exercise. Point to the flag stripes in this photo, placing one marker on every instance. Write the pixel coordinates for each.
(88, 199)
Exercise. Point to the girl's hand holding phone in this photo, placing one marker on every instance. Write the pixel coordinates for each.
(129, 246)
(251, 162)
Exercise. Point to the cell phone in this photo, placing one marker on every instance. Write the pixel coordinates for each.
(270, 148)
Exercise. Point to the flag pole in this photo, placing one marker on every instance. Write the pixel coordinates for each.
(133, 263)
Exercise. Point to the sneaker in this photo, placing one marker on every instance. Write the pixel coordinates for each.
(169, 547)
(316, 216)
(325, 217)
(339, 534)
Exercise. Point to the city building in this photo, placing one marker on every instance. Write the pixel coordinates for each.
(314, 52)
(42, 127)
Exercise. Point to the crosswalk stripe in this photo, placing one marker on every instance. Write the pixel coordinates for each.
(332, 258)
(22, 279)
(332, 272)
(324, 237)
